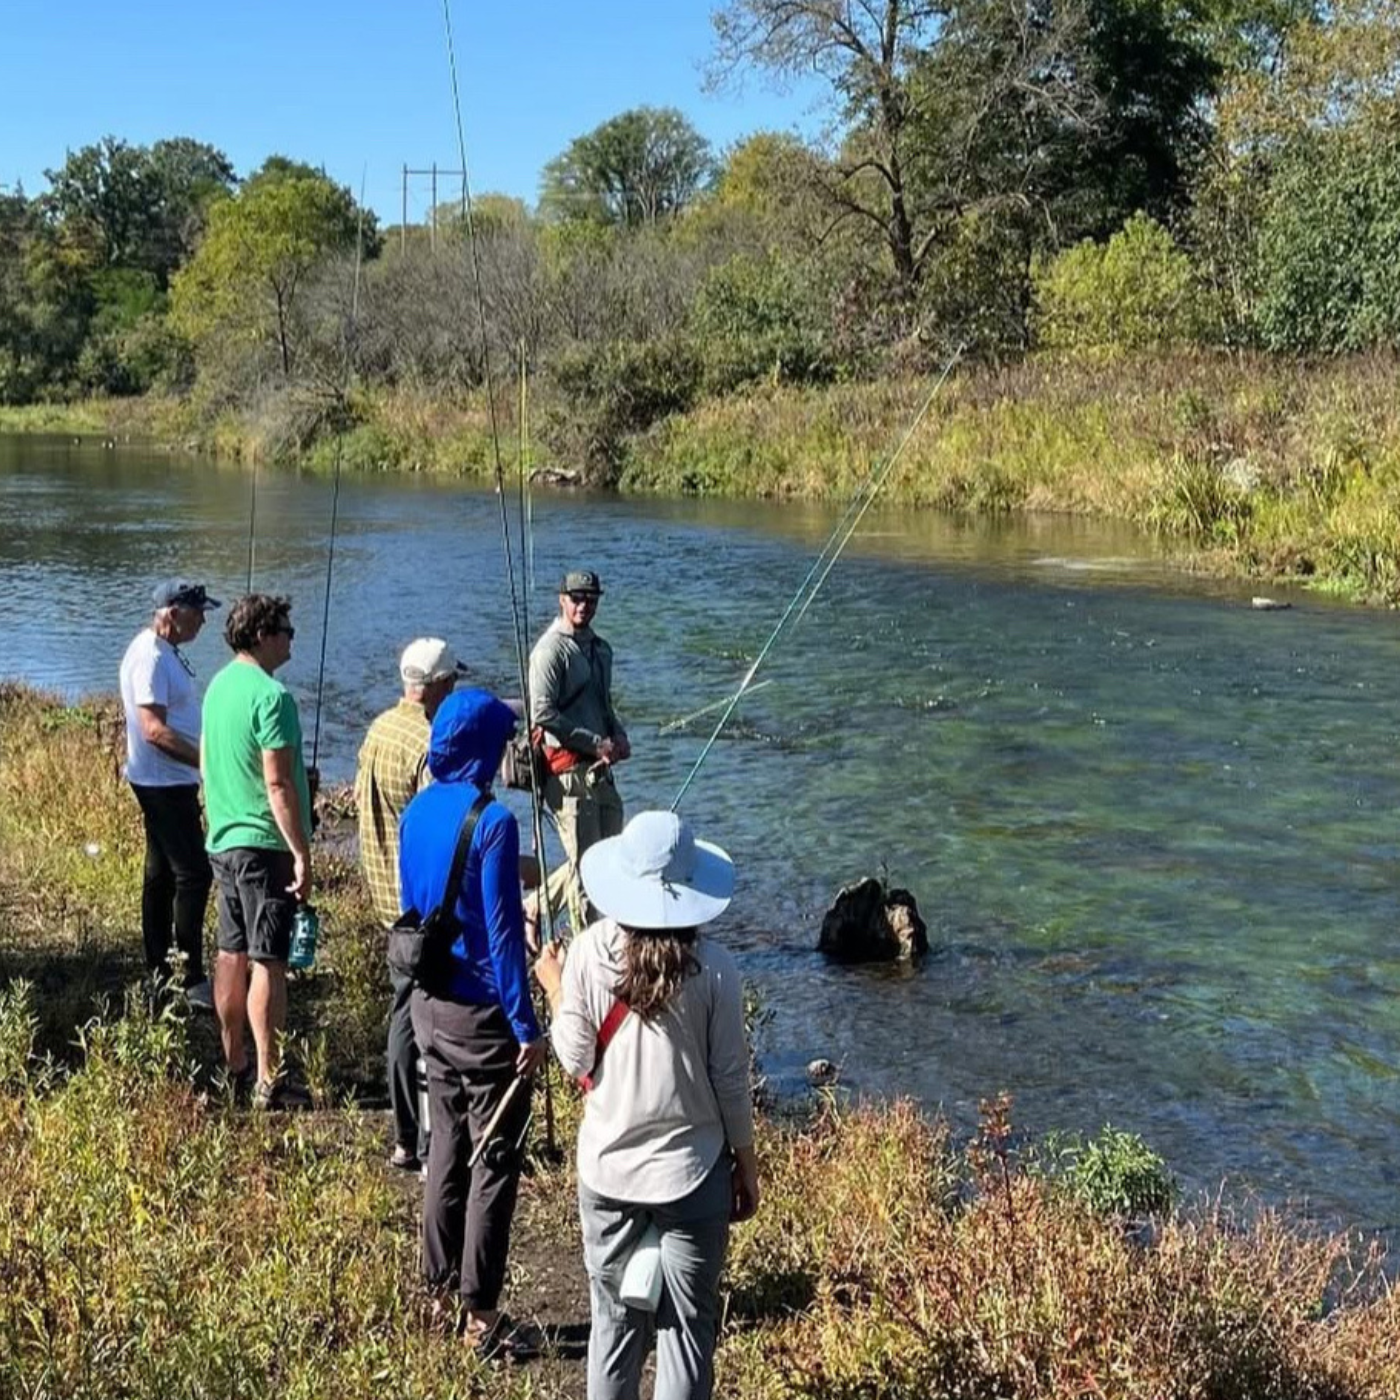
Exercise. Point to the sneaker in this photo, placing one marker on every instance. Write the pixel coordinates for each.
(200, 995)
(504, 1340)
(401, 1159)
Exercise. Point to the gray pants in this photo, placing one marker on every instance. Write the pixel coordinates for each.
(694, 1235)
(401, 1056)
(467, 1211)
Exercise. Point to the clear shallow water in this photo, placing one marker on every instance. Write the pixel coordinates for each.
(1154, 832)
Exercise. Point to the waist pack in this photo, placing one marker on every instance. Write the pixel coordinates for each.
(419, 944)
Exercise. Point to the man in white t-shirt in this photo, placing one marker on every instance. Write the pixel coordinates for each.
(162, 705)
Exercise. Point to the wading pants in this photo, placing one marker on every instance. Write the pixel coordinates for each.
(470, 1053)
(694, 1235)
(584, 809)
(401, 1063)
(175, 886)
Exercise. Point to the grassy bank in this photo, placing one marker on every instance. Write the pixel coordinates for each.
(156, 1241)
(1259, 466)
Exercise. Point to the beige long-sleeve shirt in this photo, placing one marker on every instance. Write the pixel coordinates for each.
(669, 1093)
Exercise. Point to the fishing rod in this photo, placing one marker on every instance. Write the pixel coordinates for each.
(252, 524)
(520, 623)
(342, 396)
(825, 561)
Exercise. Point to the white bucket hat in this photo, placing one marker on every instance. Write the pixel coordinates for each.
(657, 875)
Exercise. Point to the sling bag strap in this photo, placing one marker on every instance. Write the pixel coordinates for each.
(458, 867)
(617, 1014)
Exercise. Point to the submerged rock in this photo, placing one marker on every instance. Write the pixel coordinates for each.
(868, 923)
(555, 476)
(1268, 605)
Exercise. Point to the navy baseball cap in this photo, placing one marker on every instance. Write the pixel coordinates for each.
(181, 593)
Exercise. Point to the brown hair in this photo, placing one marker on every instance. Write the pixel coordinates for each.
(254, 617)
(654, 964)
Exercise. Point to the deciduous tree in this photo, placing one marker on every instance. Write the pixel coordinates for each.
(244, 281)
(636, 168)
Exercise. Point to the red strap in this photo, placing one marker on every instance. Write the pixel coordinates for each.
(617, 1014)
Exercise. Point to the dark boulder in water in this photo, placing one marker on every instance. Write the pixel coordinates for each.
(869, 923)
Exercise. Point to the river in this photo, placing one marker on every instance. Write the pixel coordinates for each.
(1154, 832)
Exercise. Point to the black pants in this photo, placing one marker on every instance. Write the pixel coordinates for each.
(401, 1055)
(467, 1212)
(175, 889)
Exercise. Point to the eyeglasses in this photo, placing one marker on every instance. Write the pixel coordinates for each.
(583, 597)
(286, 630)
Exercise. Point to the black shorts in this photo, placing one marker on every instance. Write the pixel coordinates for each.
(255, 910)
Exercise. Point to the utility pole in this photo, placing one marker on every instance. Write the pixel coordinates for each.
(432, 172)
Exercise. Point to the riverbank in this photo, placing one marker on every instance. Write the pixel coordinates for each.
(1253, 466)
(155, 1240)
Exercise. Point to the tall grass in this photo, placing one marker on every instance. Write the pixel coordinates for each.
(154, 1240)
(1260, 466)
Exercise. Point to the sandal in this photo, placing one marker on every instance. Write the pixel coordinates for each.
(401, 1159)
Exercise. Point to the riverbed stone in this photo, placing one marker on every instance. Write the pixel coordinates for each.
(868, 922)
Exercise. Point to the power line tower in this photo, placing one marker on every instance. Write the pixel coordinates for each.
(432, 172)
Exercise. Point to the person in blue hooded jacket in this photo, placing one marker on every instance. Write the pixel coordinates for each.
(475, 1023)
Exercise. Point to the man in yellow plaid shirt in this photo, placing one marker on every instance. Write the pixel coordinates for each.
(393, 766)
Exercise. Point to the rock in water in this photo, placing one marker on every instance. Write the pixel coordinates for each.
(1268, 605)
(868, 923)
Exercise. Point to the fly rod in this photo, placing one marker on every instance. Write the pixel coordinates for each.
(341, 406)
(518, 620)
(823, 564)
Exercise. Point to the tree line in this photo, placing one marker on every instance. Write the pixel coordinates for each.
(1088, 176)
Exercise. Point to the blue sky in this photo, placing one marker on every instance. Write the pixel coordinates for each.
(361, 87)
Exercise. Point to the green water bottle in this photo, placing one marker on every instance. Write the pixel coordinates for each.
(305, 926)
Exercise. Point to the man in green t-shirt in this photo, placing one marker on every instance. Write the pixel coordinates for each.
(258, 801)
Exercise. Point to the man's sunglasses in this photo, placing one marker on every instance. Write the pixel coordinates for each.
(583, 597)
(288, 631)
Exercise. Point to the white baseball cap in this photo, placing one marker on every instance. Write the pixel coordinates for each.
(428, 659)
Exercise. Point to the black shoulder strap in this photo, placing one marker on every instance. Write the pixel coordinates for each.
(464, 845)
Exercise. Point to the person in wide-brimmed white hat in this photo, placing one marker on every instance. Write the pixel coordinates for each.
(648, 1013)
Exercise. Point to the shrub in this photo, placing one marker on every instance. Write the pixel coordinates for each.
(1114, 1174)
(755, 320)
(1136, 292)
(1330, 246)
(616, 389)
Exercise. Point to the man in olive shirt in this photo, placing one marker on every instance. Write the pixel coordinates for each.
(258, 800)
(393, 767)
(571, 705)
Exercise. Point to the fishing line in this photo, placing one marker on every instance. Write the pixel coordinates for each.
(341, 410)
(518, 620)
(836, 542)
(252, 524)
(546, 924)
(681, 723)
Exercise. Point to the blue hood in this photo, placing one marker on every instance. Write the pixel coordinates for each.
(470, 733)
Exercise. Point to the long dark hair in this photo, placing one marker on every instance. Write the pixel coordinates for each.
(654, 964)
